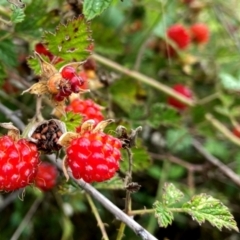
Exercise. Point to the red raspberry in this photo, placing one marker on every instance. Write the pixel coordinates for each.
(179, 34)
(68, 72)
(18, 163)
(199, 33)
(94, 157)
(76, 84)
(46, 177)
(236, 132)
(41, 49)
(88, 108)
(182, 90)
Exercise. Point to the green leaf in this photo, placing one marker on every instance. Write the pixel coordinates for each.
(2, 74)
(161, 114)
(206, 208)
(72, 121)
(36, 20)
(93, 8)
(115, 183)
(18, 14)
(178, 139)
(141, 159)
(229, 82)
(8, 54)
(171, 194)
(70, 41)
(163, 214)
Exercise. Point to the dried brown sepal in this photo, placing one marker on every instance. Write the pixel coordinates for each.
(47, 69)
(66, 139)
(133, 187)
(87, 126)
(54, 82)
(64, 168)
(13, 132)
(102, 125)
(128, 140)
(39, 88)
(59, 107)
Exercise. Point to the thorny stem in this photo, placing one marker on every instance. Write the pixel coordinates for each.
(150, 211)
(38, 115)
(128, 202)
(142, 78)
(97, 216)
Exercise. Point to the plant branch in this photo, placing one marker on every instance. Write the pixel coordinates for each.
(216, 162)
(98, 218)
(10, 114)
(118, 213)
(142, 78)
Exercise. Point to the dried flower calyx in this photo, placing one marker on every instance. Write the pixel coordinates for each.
(46, 135)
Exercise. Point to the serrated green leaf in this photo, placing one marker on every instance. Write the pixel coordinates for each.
(163, 214)
(218, 148)
(206, 208)
(72, 121)
(70, 41)
(171, 194)
(161, 114)
(178, 139)
(36, 20)
(115, 183)
(18, 14)
(8, 54)
(141, 159)
(93, 8)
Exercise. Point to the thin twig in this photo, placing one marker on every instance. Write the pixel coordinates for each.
(213, 160)
(10, 114)
(26, 219)
(98, 218)
(142, 78)
(10, 198)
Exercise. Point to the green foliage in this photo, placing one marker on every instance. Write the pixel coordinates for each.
(161, 114)
(71, 41)
(206, 208)
(178, 139)
(230, 82)
(201, 207)
(72, 121)
(93, 8)
(17, 14)
(115, 183)
(8, 55)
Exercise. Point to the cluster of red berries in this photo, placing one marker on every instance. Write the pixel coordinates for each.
(197, 33)
(94, 157)
(46, 177)
(87, 108)
(73, 83)
(19, 161)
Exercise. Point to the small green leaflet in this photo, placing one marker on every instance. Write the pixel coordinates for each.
(72, 121)
(93, 8)
(163, 214)
(171, 194)
(206, 208)
(230, 82)
(115, 183)
(17, 14)
(71, 41)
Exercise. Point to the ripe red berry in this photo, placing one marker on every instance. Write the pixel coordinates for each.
(46, 177)
(236, 132)
(199, 33)
(68, 72)
(41, 49)
(18, 163)
(88, 108)
(182, 90)
(76, 83)
(179, 34)
(94, 157)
